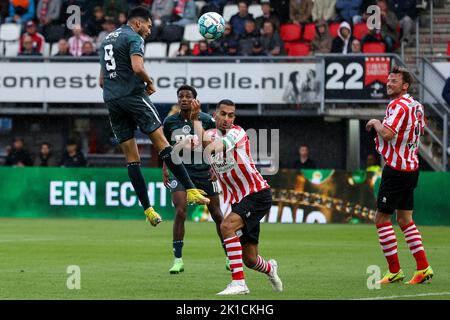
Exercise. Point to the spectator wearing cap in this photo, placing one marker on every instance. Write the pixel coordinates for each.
(349, 10)
(271, 40)
(257, 49)
(246, 39)
(268, 15)
(63, 49)
(322, 40)
(324, 10)
(343, 42)
(300, 11)
(48, 11)
(21, 11)
(17, 155)
(37, 38)
(238, 20)
(28, 48)
(77, 40)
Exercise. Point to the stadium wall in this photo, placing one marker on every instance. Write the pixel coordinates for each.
(310, 196)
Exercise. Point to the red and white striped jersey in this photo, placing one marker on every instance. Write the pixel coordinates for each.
(235, 168)
(406, 118)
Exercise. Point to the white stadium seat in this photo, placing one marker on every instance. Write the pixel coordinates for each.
(229, 10)
(12, 49)
(173, 48)
(47, 48)
(255, 10)
(199, 5)
(191, 33)
(54, 49)
(156, 50)
(10, 32)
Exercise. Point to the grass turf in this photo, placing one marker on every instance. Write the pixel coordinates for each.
(124, 259)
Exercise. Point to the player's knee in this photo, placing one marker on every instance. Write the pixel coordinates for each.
(226, 227)
(181, 213)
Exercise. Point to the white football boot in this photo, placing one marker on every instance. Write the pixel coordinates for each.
(275, 280)
(234, 288)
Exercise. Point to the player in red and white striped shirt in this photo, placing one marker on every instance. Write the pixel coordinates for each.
(397, 141)
(228, 149)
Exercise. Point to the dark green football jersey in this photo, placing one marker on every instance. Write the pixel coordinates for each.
(115, 59)
(177, 128)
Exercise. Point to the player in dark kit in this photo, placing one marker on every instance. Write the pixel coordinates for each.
(176, 128)
(126, 87)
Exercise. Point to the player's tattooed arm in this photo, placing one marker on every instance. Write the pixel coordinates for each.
(137, 63)
(386, 133)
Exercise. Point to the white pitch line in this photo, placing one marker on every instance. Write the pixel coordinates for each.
(407, 296)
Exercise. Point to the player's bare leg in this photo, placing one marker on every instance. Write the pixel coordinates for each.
(164, 150)
(129, 148)
(217, 216)
(414, 240)
(179, 201)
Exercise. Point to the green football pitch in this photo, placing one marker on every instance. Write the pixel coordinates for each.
(123, 259)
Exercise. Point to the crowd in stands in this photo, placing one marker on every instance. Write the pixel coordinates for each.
(294, 27)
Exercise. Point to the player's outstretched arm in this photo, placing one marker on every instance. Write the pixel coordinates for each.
(137, 63)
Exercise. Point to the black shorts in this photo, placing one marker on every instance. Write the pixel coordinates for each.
(252, 209)
(204, 184)
(396, 190)
(128, 113)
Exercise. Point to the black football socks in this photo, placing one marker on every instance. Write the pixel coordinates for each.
(178, 170)
(138, 182)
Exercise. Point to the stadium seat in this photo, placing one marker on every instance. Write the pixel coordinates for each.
(195, 49)
(360, 30)
(191, 33)
(374, 47)
(309, 32)
(229, 10)
(200, 5)
(290, 32)
(173, 48)
(11, 49)
(156, 50)
(448, 49)
(10, 32)
(255, 10)
(54, 49)
(47, 49)
(333, 29)
(298, 49)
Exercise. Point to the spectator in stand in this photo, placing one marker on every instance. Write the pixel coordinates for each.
(186, 12)
(161, 14)
(45, 156)
(95, 23)
(349, 10)
(108, 27)
(366, 4)
(122, 18)
(183, 50)
(213, 6)
(88, 50)
(281, 8)
(238, 20)
(300, 11)
(48, 12)
(77, 40)
(17, 155)
(37, 38)
(113, 8)
(63, 49)
(406, 12)
(356, 46)
(446, 91)
(389, 24)
(324, 10)
(268, 15)
(271, 40)
(21, 11)
(219, 44)
(372, 164)
(343, 42)
(246, 39)
(231, 47)
(203, 49)
(28, 48)
(4, 10)
(304, 162)
(72, 157)
(373, 35)
(322, 40)
(257, 49)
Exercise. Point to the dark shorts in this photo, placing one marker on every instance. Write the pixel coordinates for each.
(396, 190)
(128, 113)
(252, 209)
(204, 184)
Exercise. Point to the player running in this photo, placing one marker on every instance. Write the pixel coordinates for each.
(228, 148)
(126, 87)
(176, 128)
(398, 141)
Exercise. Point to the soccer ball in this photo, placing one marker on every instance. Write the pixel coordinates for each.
(211, 25)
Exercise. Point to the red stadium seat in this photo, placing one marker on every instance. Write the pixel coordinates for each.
(290, 32)
(309, 32)
(298, 49)
(374, 47)
(448, 49)
(333, 29)
(360, 30)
